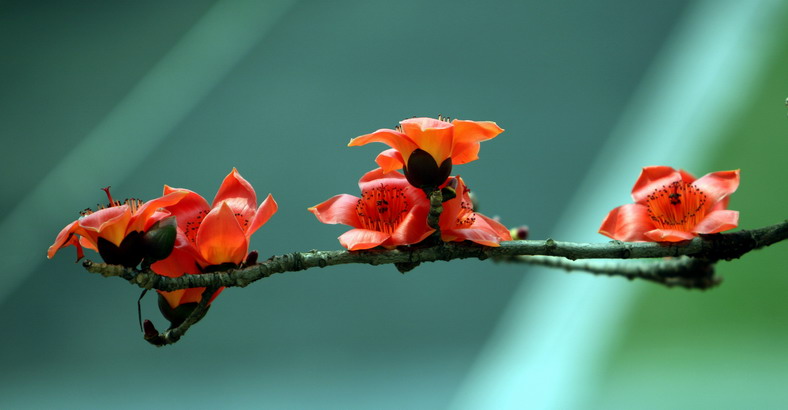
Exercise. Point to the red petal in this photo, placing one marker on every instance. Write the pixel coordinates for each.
(340, 209)
(184, 259)
(65, 238)
(627, 223)
(84, 241)
(501, 231)
(465, 152)
(390, 160)
(718, 221)
(377, 176)
(142, 219)
(718, 185)
(413, 228)
(238, 194)
(264, 212)
(687, 177)
(220, 238)
(393, 139)
(190, 210)
(452, 207)
(652, 178)
(668, 235)
(191, 295)
(108, 223)
(173, 298)
(475, 131)
(356, 239)
(433, 136)
(480, 236)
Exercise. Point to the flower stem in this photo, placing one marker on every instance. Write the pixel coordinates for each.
(436, 207)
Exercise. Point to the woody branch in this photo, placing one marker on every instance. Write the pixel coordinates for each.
(694, 270)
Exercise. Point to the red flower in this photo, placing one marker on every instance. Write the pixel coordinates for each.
(115, 231)
(211, 236)
(458, 221)
(673, 206)
(389, 213)
(426, 148)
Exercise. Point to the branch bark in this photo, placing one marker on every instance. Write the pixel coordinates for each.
(695, 271)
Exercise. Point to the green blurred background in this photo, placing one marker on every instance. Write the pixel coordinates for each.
(141, 94)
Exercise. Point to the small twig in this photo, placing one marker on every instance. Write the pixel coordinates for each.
(684, 271)
(171, 336)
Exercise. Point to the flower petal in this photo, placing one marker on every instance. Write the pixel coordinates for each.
(480, 236)
(465, 152)
(264, 212)
(474, 131)
(413, 228)
(341, 209)
(190, 295)
(377, 176)
(627, 223)
(66, 237)
(668, 235)
(108, 223)
(143, 218)
(652, 178)
(390, 160)
(392, 138)
(718, 221)
(502, 232)
(686, 176)
(174, 297)
(718, 185)
(184, 259)
(220, 239)
(357, 239)
(433, 136)
(189, 211)
(238, 194)
(452, 207)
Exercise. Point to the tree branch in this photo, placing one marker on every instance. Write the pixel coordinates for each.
(693, 272)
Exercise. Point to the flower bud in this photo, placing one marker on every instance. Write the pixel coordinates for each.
(129, 253)
(422, 171)
(519, 233)
(176, 315)
(160, 239)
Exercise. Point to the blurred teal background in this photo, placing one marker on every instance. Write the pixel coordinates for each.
(141, 94)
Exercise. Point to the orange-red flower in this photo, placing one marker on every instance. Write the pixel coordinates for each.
(211, 236)
(115, 231)
(673, 206)
(459, 222)
(426, 148)
(389, 213)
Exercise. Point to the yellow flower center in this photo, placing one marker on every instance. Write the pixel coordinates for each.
(678, 206)
(382, 208)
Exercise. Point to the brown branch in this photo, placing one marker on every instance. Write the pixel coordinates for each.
(707, 249)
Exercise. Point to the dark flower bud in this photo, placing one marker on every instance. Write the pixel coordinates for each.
(251, 258)
(129, 253)
(176, 315)
(422, 171)
(448, 193)
(149, 329)
(160, 239)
